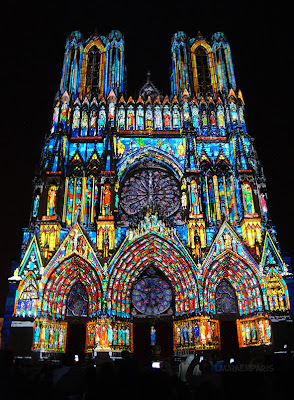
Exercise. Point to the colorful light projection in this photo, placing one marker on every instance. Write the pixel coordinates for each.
(277, 296)
(107, 335)
(218, 190)
(168, 257)
(147, 188)
(203, 67)
(197, 333)
(254, 331)
(51, 201)
(49, 336)
(81, 192)
(92, 73)
(27, 298)
(241, 276)
(152, 295)
(223, 62)
(60, 280)
(90, 120)
(76, 242)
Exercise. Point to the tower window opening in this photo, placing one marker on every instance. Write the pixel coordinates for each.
(182, 54)
(203, 72)
(225, 64)
(92, 75)
(69, 72)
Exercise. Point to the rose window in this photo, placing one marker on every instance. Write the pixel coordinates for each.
(150, 189)
(152, 295)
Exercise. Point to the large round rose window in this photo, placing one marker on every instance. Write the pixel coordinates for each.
(150, 189)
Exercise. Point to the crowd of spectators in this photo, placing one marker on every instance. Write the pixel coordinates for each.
(194, 377)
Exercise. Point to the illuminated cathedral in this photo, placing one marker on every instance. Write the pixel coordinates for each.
(149, 220)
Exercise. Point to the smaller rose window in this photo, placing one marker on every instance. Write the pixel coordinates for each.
(152, 295)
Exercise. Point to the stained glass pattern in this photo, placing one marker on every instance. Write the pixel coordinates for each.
(77, 301)
(243, 280)
(148, 189)
(168, 258)
(151, 295)
(225, 298)
(62, 278)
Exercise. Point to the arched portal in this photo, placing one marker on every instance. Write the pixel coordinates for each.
(241, 276)
(59, 283)
(169, 257)
(225, 298)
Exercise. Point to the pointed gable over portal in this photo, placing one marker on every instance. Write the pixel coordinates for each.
(76, 242)
(227, 240)
(32, 260)
(270, 256)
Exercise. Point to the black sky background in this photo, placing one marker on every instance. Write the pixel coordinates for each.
(33, 43)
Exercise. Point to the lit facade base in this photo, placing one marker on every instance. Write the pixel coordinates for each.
(197, 333)
(104, 335)
(49, 336)
(255, 331)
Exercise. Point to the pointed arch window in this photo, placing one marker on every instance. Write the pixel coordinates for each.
(225, 66)
(225, 298)
(77, 301)
(70, 66)
(182, 68)
(222, 63)
(203, 70)
(92, 74)
(77, 63)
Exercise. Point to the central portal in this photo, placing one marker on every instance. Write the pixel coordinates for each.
(144, 336)
(152, 300)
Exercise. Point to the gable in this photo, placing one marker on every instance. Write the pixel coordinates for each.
(75, 242)
(228, 240)
(32, 261)
(271, 256)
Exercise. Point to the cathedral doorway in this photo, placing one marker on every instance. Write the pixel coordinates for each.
(227, 309)
(153, 304)
(162, 331)
(229, 339)
(76, 337)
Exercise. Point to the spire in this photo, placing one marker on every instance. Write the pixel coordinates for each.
(149, 89)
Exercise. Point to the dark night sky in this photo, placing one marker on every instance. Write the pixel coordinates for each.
(33, 47)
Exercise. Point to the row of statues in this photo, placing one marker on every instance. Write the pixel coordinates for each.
(151, 223)
(196, 333)
(254, 332)
(49, 336)
(108, 335)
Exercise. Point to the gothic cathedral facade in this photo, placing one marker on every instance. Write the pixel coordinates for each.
(149, 209)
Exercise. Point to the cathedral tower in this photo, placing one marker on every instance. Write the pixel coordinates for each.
(149, 212)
